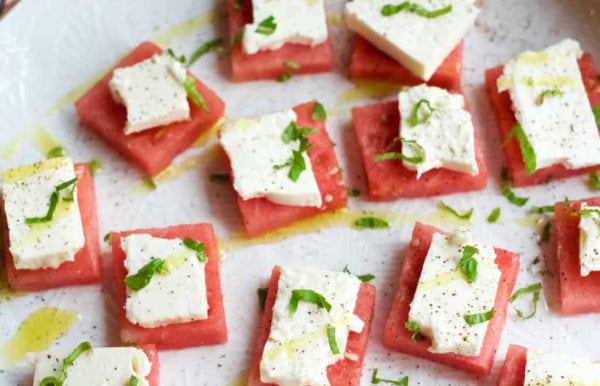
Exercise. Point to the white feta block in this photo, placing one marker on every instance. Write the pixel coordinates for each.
(254, 146)
(296, 21)
(297, 351)
(546, 368)
(153, 93)
(177, 296)
(443, 296)
(97, 367)
(447, 136)
(26, 192)
(419, 43)
(589, 240)
(551, 104)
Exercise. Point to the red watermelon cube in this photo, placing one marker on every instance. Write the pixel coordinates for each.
(343, 373)
(513, 369)
(210, 331)
(368, 62)
(505, 119)
(375, 127)
(152, 150)
(87, 266)
(270, 64)
(397, 337)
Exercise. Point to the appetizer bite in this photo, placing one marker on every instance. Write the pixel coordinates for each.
(168, 286)
(422, 145)
(283, 167)
(545, 104)
(409, 42)
(150, 108)
(314, 329)
(452, 298)
(278, 39)
(50, 225)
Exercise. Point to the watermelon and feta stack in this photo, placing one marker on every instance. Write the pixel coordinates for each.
(152, 150)
(87, 266)
(396, 336)
(210, 331)
(513, 369)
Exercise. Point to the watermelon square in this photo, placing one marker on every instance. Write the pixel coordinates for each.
(270, 64)
(513, 369)
(87, 266)
(505, 120)
(210, 331)
(151, 150)
(344, 372)
(368, 62)
(397, 337)
(260, 215)
(375, 127)
(576, 294)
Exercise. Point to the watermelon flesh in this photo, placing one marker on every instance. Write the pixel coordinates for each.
(513, 369)
(154, 376)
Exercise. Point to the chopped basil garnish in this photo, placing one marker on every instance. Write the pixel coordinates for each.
(308, 296)
(594, 180)
(267, 26)
(596, 111)
(142, 278)
(468, 263)
(526, 149)
(555, 92)
(193, 94)
(296, 162)
(399, 156)
(318, 112)
(364, 278)
(95, 165)
(391, 9)
(133, 381)
(494, 215)
(375, 380)
(546, 232)
(56, 152)
(414, 118)
(585, 212)
(535, 289)
(56, 194)
(67, 362)
(218, 178)
(107, 238)
(262, 297)
(291, 64)
(415, 329)
(465, 216)
(512, 197)
(180, 59)
(284, 77)
(332, 342)
(237, 37)
(542, 209)
(214, 44)
(371, 223)
(479, 318)
(352, 192)
(199, 248)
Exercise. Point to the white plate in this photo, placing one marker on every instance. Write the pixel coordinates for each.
(51, 49)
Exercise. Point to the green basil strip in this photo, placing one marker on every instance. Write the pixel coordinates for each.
(53, 202)
(296, 162)
(267, 26)
(284, 77)
(133, 381)
(371, 223)
(190, 88)
(555, 92)
(375, 380)
(414, 119)
(535, 289)
(596, 111)
(180, 59)
(363, 278)
(308, 296)
(391, 9)
(494, 215)
(95, 165)
(415, 329)
(332, 342)
(67, 362)
(399, 156)
(512, 197)
(199, 248)
(594, 181)
(318, 112)
(237, 37)
(142, 278)
(479, 318)
(468, 263)
(56, 152)
(261, 293)
(585, 212)
(214, 44)
(465, 216)
(526, 149)
(542, 209)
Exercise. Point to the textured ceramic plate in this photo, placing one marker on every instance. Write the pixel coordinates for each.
(53, 50)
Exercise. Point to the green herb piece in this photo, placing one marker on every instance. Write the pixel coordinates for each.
(308, 296)
(494, 215)
(594, 181)
(468, 263)
(415, 329)
(284, 77)
(371, 223)
(133, 381)
(214, 44)
(149, 183)
(218, 178)
(332, 342)
(414, 119)
(67, 362)
(512, 197)
(399, 156)
(535, 289)
(479, 318)
(56, 152)
(293, 133)
(199, 248)
(180, 59)
(237, 37)
(546, 232)
(318, 112)
(142, 278)
(391, 9)
(585, 212)
(465, 216)
(352, 192)
(526, 149)
(56, 194)
(296, 162)
(95, 165)
(555, 92)
(596, 111)
(267, 26)
(107, 238)
(364, 278)
(291, 64)
(262, 297)
(375, 380)
(193, 94)
(542, 209)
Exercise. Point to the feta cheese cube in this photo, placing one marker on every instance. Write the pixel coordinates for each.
(177, 296)
(297, 351)
(297, 21)
(589, 240)
(26, 193)
(97, 367)
(443, 296)
(447, 136)
(551, 104)
(419, 43)
(152, 91)
(254, 146)
(546, 368)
